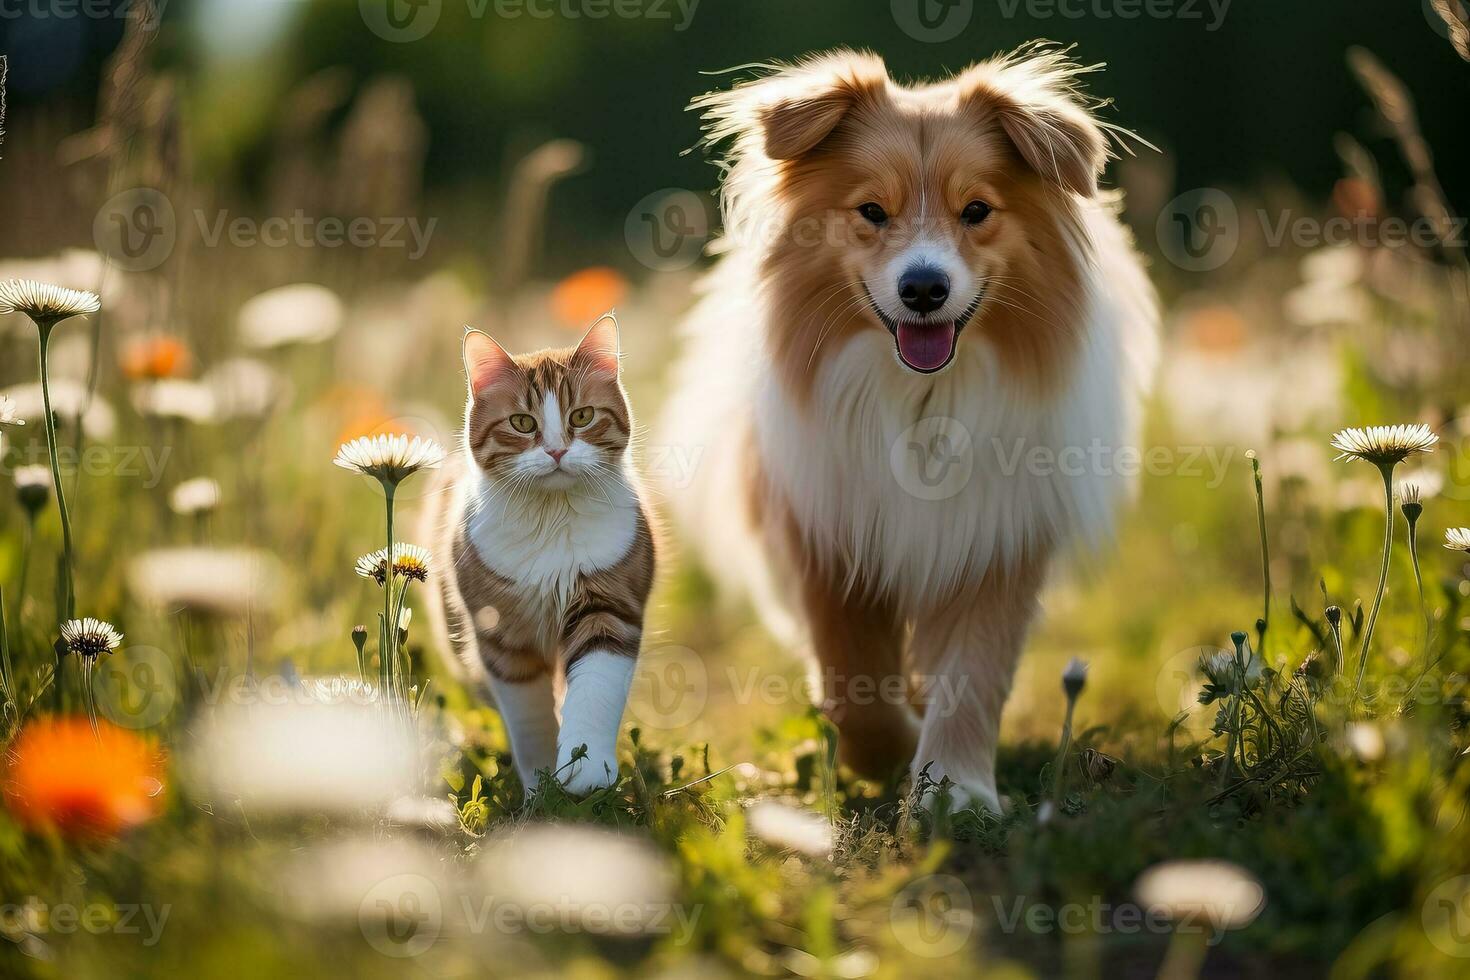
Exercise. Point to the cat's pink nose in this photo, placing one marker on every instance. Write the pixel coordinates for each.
(555, 454)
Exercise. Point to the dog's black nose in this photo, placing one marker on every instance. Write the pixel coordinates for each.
(924, 289)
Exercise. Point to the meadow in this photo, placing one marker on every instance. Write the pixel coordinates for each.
(1237, 743)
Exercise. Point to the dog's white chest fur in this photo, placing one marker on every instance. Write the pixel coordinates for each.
(925, 482)
(544, 541)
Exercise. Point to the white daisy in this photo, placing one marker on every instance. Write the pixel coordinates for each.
(90, 637)
(45, 303)
(68, 399)
(295, 755)
(175, 398)
(790, 827)
(579, 874)
(301, 313)
(390, 458)
(1457, 539)
(197, 496)
(220, 581)
(1384, 445)
(8, 415)
(409, 561)
(1219, 893)
(245, 388)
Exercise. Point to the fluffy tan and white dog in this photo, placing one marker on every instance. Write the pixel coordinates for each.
(925, 340)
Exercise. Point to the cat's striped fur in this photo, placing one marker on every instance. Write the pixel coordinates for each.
(549, 548)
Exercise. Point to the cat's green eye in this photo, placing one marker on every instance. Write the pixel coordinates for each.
(581, 416)
(523, 423)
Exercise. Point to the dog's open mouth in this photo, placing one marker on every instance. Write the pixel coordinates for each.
(925, 346)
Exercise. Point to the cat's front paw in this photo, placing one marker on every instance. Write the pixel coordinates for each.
(582, 773)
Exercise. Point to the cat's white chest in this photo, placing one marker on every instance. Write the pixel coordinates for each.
(544, 541)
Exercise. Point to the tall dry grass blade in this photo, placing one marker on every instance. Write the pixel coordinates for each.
(1394, 103)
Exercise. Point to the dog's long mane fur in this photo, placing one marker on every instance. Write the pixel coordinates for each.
(1060, 370)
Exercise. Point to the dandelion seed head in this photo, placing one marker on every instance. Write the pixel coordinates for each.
(390, 458)
(1384, 445)
(1457, 539)
(44, 302)
(90, 637)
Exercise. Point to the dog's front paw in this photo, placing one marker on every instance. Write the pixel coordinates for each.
(582, 770)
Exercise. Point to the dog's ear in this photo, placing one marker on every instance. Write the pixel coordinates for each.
(794, 109)
(1034, 99)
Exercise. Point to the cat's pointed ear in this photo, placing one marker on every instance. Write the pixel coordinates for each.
(486, 363)
(599, 348)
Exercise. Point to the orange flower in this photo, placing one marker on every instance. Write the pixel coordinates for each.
(357, 411)
(154, 358)
(583, 296)
(84, 784)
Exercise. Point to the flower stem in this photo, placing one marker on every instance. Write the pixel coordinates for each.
(1419, 581)
(388, 648)
(1387, 472)
(1265, 555)
(1059, 768)
(6, 674)
(70, 611)
(25, 568)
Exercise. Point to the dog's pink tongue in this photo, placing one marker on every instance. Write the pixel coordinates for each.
(925, 346)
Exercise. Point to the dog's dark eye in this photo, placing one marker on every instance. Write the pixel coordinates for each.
(873, 213)
(975, 212)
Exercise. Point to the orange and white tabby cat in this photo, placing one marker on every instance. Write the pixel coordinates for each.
(550, 554)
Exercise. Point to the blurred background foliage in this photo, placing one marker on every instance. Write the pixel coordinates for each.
(1251, 98)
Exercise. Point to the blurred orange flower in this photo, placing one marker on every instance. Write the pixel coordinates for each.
(585, 295)
(154, 358)
(363, 412)
(84, 784)
(1215, 328)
